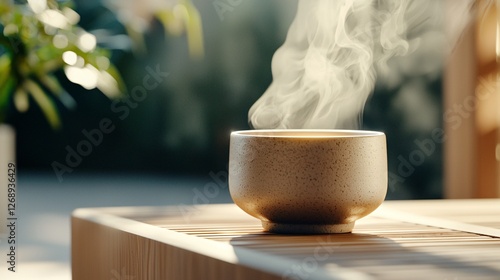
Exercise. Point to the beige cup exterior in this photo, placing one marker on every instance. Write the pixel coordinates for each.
(308, 181)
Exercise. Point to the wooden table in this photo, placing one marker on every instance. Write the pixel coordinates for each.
(439, 239)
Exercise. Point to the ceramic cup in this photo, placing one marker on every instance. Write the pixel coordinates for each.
(308, 181)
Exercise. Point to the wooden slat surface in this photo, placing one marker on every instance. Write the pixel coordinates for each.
(383, 245)
(483, 212)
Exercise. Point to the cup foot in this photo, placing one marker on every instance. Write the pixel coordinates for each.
(306, 228)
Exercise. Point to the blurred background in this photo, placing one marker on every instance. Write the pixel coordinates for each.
(182, 126)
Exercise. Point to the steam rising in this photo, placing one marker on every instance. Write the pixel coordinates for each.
(325, 70)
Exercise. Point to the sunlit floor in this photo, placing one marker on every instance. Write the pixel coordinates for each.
(45, 205)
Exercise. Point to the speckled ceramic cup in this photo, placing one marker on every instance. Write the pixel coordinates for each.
(308, 181)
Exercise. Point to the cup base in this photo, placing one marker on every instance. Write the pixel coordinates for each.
(306, 228)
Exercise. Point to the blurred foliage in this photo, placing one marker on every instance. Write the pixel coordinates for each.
(40, 37)
(176, 16)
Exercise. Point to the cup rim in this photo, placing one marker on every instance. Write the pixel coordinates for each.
(306, 133)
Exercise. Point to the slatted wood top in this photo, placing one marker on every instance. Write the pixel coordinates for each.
(440, 239)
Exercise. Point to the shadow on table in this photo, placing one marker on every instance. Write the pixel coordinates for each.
(355, 256)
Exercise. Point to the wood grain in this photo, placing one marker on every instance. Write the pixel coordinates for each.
(222, 242)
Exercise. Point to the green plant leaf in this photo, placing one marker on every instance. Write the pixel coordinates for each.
(55, 87)
(6, 90)
(5, 63)
(46, 104)
(118, 78)
(185, 17)
(171, 24)
(50, 66)
(194, 30)
(21, 101)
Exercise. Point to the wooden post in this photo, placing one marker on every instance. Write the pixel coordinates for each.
(472, 109)
(459, 84)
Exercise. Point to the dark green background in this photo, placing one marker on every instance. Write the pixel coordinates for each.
(183, 126)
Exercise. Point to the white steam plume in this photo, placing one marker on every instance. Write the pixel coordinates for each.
(325, 70)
